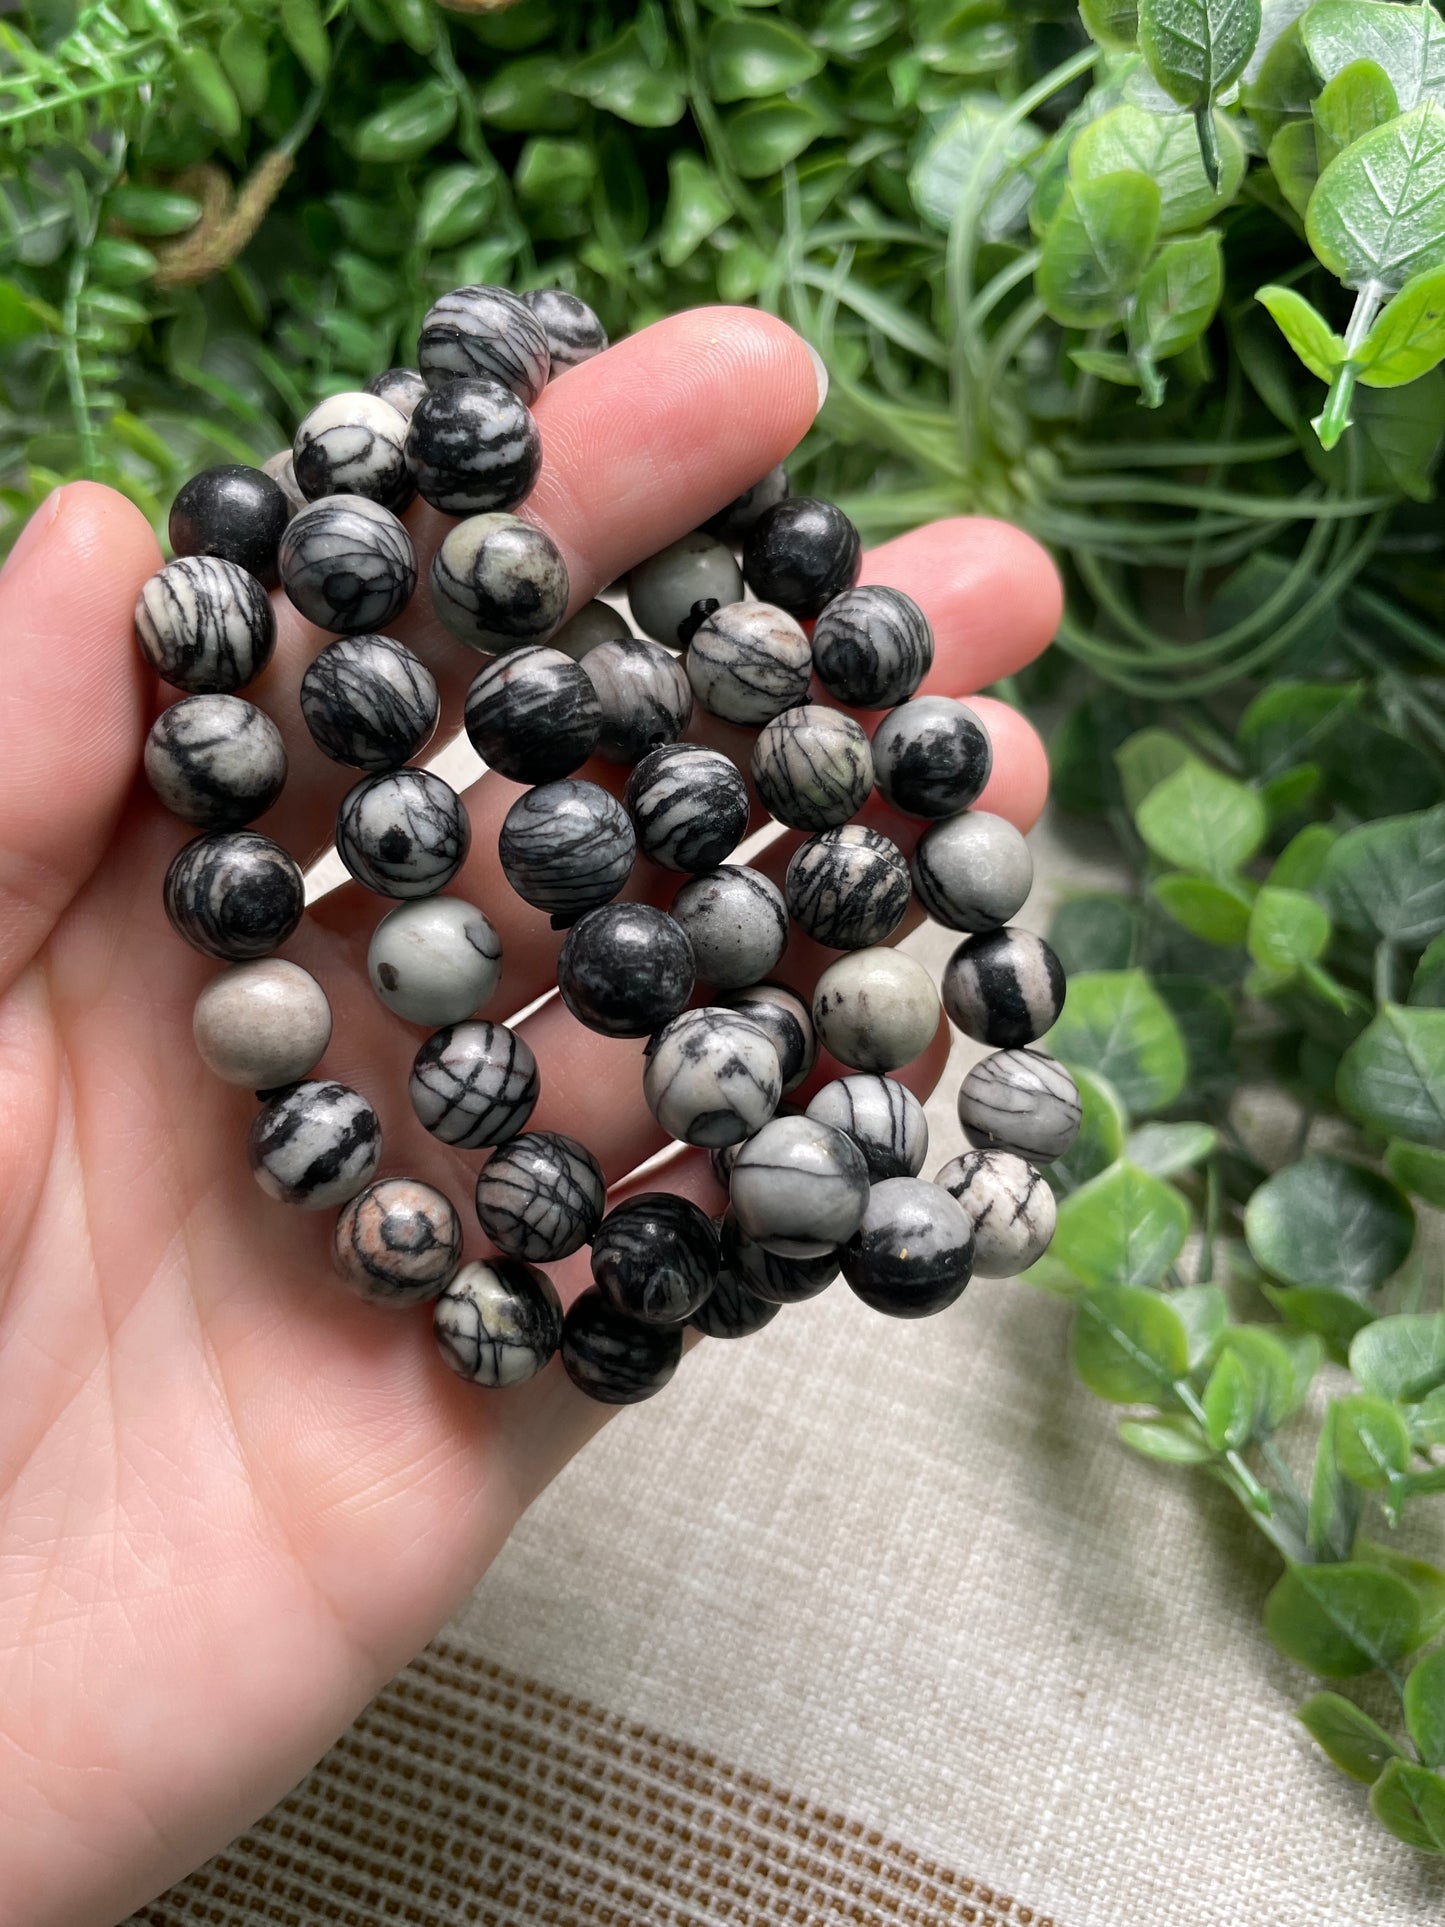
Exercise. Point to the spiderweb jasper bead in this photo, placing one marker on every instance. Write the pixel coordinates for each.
(369, 702)
(613, 1358)
(498, 1323)
(566, 847)
(875, 1010)
(235, 512)
(402, 387)
(533, 715)
(799, 1188)
(234, 894)
(883, 1118)
(282, 472)
(972, 872)
(541, 1196)
(315, 1145)
(731, 1310)
(497, 582)
(848, 888)
(688, 805)
(473, 446)
(216, 761)
(711, 1077)
(403, 834)
(656, 1257)
(872, 647)
(573, 332)
(347, 564)
(787, 1022)
(1004, 987)
(732, 523)
(625, 969)
(204, 625)
(643, 694)
(435, 960)
(474, 1085)
(801, 553)
(812, 767)
(662, 590)
(748, 662)
(484, 332)
(737, 923)
(767, 1275)
(913, 1253)
(354, 444)
(932, 756)
(1009, 1205)
(262, 1024)
(1021, 1101)
(397, 1242)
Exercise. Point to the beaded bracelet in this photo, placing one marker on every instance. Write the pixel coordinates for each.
(812, 1192)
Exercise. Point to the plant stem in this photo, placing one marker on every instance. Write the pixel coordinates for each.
(1334, 418)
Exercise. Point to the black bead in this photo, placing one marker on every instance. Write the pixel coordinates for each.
(625, 970)
(656, 1257)
(730, 1310)
(614, 1358)
(235, 512)
(800, 553)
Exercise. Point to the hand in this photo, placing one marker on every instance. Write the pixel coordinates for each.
(234, 1500)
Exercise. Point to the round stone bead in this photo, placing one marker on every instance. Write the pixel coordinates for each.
(369, 702)
(1004, 987)
(497, 582)
(204, 625)
(354, 444)
(801, 553)
(487, 333)
(541, 1196)
(799, 1188)
(315, 1145)
(216, 761)
(913, 1253)
(282, 471)
(748, 662)
(533, 715)
(688, 805)
(403, 834)
(644, 695)
(262, 1024)
(662, 590)
(872, 647)
(972, 872)
(712, 1077)
(812, 767)
(875, 1010)
(574, 334)
(776, 1280)
(398, 1242)
(932, 756)
(1009, 1205)
(473, 446)
(732, 523)
(848, 888)
(614, 1358)
(402, 387)
(235, 512)
(566, 847)
(474, 1084)
(788, 1023)
(625, 969)
(1021, 1101)
(498, 1323)
(656, 1257)
(435, 960)
(593, 624)
(234, 894)
(347, 564)
(883, 1118)
(737, 922)
(731, 1310)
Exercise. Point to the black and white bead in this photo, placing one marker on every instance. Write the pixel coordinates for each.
(662, 591)
(875, 1010)
(788, 1023)
(403, 834)
(932, 757)
(883, 1118)
(1009, 1205)
(204, 625)
(398, 1242)
(712, 1077)
(485, 333)
(1021, 1101)
(472, 446)
(1005, 987)
(498, 1323)
(215, 761)
(656, 1257)
(643, 693)
(625, 969)
(731, 1310)
(369, 702)
(749, 661)
(566, 847)
(848, 888)
(533, 715)
(972, 872)
(613, 1357)
(737, 922)
(473, 1085)
(402, 387)
(573, 332)
(283, 473)
(799, 1188)
(912, 1255)
(541, 1196)
(812, 767)
(497, 582)
(234, 894)
(872, 647)
(435, 960)
(774, 1279)
(800, 554)
(348, 564)
(688, 805)
(354, 444)
(314, 1145)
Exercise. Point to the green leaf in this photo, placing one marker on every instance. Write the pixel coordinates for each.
(1377, 216)
(1393, 1076)
(1145, 759)
(1425, 1707)
(1335, 1505)
(1122, 1228)
(1427, 1582)
(156, 211)
(1093, 932)
(1279, 84)
(1229, 1403)
(408, 127)
(1114, 24)
(1398, 435)
(1178, 296)
(1116, 1024)
(1165, 148)
(623, 78)
(1401, 1357)
(1096, 248)
(1427, 986)
(1356, 1744)
(1333, 1316)
(696, 208)
(456, 203)
(1281, 1365)
(1103, 1126)
(1408, 43)
(1215, 911)
(555, 173)
(972, 151)
(1408, 336)
(765, 136)
(1388, 878)
(1358, 100)
(1294, 160)
(1201, 820)
(1342, 1620)
(1293, 722)
(1410, 1802)
(1305, 329)
(305, 32)
(1418, 1168)
(750, 59)
(1372, 1441)
(1106, 364)
(1286, 929)
(1128, 1345)
(1197, 48)
(530, 96)
(1300, 864)
(1203, 1311)
(245, 56)
(1170, 1441)
(1325, 1221)
(1164, 1150)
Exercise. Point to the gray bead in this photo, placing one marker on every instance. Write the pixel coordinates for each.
(347, 564)
(204, 625)
(262, 1024)
(354, 444)
(932, 756)
(644, 693)
(485, 332)
(872, 646)
(403, 834)
(788, 1022)
(812, 767)
(216, 761)
(282, 471)
(566, 847)
(711, 1077)
(1009, 1205)
(732, 523)
(473, 446)
(662, 590)
(533, 715)
(1004, 987)
(369, 702)
(913, 1253)
(767, 1275)
(688, 805)
(731, 1310)
(656, 1257)
(848, 888)
(498, 1323)
(799, 1188)
(541, 1196)
(737, 922)
(748, 662)
(593, 624)
(315, 1145)
(435, 960)
(626, 969)
(574, 334)
(883, 1118)
(1021, 1101)
(875, 1010)
(474, 1085)
(402, 387)
(972, 872)
(234, 894)
(498, 582)
(397, 1242)
(613, 1358)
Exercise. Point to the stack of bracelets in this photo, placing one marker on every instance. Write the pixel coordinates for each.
(812, 1192)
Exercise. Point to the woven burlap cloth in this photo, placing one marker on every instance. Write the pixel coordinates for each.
(862, 1621)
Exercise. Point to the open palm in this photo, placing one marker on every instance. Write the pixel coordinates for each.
(233, 1500)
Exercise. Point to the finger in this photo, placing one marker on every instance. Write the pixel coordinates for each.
(74, 708)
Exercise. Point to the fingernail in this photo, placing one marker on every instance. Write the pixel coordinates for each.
(821, 370)
(35, 530)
